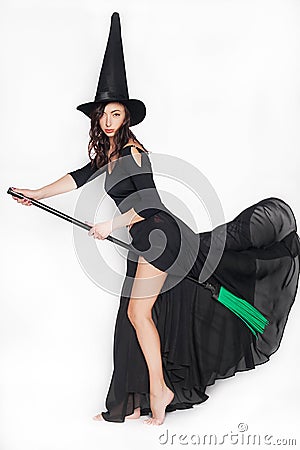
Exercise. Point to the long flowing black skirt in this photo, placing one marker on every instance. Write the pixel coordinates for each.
(201, 339)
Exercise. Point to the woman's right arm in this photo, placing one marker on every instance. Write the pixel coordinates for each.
(69, 182)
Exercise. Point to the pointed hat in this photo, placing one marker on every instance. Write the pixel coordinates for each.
(112, 84)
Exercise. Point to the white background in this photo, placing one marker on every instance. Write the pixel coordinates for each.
(220, 80)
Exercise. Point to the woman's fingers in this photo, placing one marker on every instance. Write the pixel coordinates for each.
(24, 201)
(93, 232)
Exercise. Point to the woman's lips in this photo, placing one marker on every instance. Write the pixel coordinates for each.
(109, 131)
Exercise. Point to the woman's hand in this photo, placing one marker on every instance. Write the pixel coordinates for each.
(100, 230)
(35, 194)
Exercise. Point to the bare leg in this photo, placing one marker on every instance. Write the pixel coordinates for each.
(146, 287)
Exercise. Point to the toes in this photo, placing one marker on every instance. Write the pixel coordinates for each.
(153, 421)
(147, 421)
(157, 422)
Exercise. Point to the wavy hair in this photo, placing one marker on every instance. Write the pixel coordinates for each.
(99, 143)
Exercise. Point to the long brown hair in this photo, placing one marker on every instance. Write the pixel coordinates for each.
(99, 143)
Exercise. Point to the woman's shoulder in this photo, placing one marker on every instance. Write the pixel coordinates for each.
(135, 154)
(134, 145)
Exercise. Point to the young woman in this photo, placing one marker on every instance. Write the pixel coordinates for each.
(170, 344)
(173, 336)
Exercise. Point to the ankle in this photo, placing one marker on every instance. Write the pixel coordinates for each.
(158, 388)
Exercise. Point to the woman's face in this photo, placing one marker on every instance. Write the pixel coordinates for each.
(112, 118)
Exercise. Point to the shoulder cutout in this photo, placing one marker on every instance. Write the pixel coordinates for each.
(136, 156)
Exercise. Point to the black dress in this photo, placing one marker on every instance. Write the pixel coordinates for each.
(202, 340)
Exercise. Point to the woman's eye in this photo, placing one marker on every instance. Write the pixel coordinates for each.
(116, 114)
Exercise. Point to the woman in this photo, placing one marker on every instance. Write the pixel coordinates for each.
(172, 338)
(172, 344)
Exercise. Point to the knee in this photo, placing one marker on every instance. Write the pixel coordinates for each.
(136, 317)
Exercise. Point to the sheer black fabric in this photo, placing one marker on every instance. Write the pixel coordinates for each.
(201, 339)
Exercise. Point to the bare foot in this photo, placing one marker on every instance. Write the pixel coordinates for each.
(98, 417)
(135, 415)
(159, 402)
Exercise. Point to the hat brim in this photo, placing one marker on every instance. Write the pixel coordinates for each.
(136, 108)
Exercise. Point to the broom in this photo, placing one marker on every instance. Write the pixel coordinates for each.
(252, 317)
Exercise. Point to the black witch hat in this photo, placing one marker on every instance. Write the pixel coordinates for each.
(112, 84)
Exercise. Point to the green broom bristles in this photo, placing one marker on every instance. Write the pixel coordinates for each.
(244, 310)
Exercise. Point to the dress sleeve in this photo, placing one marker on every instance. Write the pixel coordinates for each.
(84, 174)
(149, 201)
